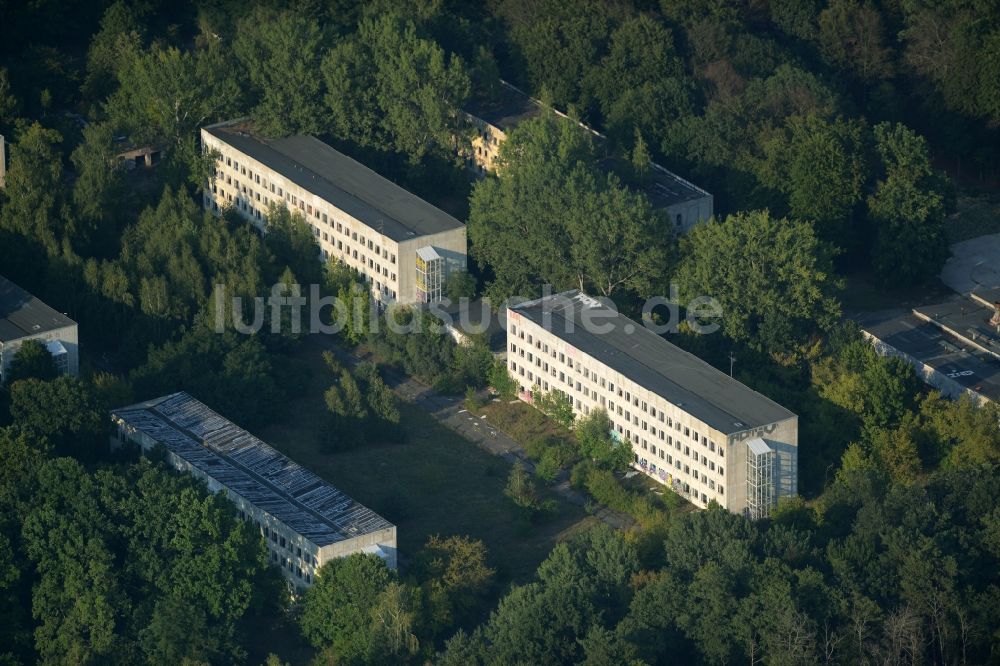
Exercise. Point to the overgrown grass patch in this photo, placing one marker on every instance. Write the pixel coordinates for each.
(434, 482)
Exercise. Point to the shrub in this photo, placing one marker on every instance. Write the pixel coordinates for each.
(548, 467)
(606, 489)
(472, 401)
(579, 474)
(536, 446)
(501, 381)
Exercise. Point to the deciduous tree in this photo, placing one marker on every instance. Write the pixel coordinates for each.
(34, 207)
(337, 609)
(32, 360)
(280, 52)
(819, 166)
(907, 210)
(550, 217)
(771, 277)
(389, 87)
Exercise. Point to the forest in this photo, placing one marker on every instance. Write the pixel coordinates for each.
(837, 137)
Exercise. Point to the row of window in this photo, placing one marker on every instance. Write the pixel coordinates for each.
(681, 486)
(291, 567)
(277, 540)
(693, 456)
(608, 386)
(622, 416)
(366, 265)
(604, 383)
(308, 209)
(697, 458)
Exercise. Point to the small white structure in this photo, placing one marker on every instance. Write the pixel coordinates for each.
(24, 317)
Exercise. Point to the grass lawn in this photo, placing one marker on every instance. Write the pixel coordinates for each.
(522, 422)
(436, 482)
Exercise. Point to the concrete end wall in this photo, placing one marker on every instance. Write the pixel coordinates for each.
(384, 539)
(783, 438)
(946, 385)
(691, 213)
(68, 336)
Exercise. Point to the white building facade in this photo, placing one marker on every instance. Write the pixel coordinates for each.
(356, 215)
(691, 427)
(304, 520)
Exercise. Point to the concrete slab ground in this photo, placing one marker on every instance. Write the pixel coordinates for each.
(974, 263)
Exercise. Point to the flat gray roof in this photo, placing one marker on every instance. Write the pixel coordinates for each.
(343, 182)
(964, 318)
(933, 346)
(22, 315)
(510, 108)
(629, 348)
(261, 475)
(663, 188)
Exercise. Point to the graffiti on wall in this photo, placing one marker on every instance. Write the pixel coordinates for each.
(755, 432)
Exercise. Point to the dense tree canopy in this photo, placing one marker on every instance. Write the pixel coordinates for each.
(121, 563)
(780, 591)
(559, 41)
(32, 360)
(771, 277)
(907, 210)
(35, 198)
(551, 216)
(165, 94)
(640, 83)
(390, 88)
(337, 611)
(62, 412)
(819, 166)
(831, 114)
(280, 52)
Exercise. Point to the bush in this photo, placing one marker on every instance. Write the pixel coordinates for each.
(536, 446)
(501, 381)
(472, 401)
(606, 489)
(548, 467)
(579, 474)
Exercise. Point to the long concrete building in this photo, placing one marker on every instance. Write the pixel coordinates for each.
(403, 246)
(24, 317)
(305, 521)
(695, 429)
(684, 203)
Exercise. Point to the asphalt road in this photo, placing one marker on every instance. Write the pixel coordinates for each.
(451, 411)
